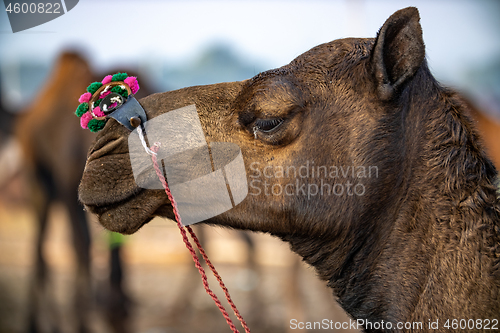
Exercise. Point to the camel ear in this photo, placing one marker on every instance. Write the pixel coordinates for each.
(398, 52)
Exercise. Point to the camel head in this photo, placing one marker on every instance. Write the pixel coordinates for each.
(311, 135)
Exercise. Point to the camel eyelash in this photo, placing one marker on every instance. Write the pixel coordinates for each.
(267, 125)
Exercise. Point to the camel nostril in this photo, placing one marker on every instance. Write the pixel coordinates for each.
(104, 147)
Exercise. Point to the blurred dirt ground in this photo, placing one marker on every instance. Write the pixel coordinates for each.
(164, 286)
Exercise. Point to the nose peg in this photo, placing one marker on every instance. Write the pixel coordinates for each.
(135, 121)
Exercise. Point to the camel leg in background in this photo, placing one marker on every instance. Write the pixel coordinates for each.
(42, 312)
(81, 243)
(117, 302)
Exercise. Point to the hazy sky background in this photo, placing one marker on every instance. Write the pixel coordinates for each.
(460, 35)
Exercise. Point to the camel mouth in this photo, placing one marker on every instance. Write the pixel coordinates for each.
(129, 215)
(108, 188)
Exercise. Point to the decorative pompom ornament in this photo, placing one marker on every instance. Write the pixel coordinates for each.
(93, 87)
(98, 112)
(85, 98)
(82, 108)
(89, 110)
(96, 125)
(84, 120)
(132, 83)
(119, 77)
(96, 103)
(121, 91)
(107, 79)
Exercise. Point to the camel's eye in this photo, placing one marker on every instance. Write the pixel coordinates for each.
(267, 125)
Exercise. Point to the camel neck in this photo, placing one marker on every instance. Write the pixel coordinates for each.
(423, 271)
(435, 250)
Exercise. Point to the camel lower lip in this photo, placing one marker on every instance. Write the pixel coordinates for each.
(101, 209)
(128, 215)
(121, 216)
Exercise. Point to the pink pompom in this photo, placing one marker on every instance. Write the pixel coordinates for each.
(84, 120)
(98, 112)
(85, 98)
(132, 83)
(107, 79)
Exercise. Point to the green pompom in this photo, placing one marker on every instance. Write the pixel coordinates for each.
(93, 87)
(119, 77)
(96, 125)
(119, 90)
(96, 103)
(81, 109)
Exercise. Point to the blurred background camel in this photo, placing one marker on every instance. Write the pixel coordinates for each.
(54, 148)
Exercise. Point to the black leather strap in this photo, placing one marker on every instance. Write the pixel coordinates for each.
(131, 108)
